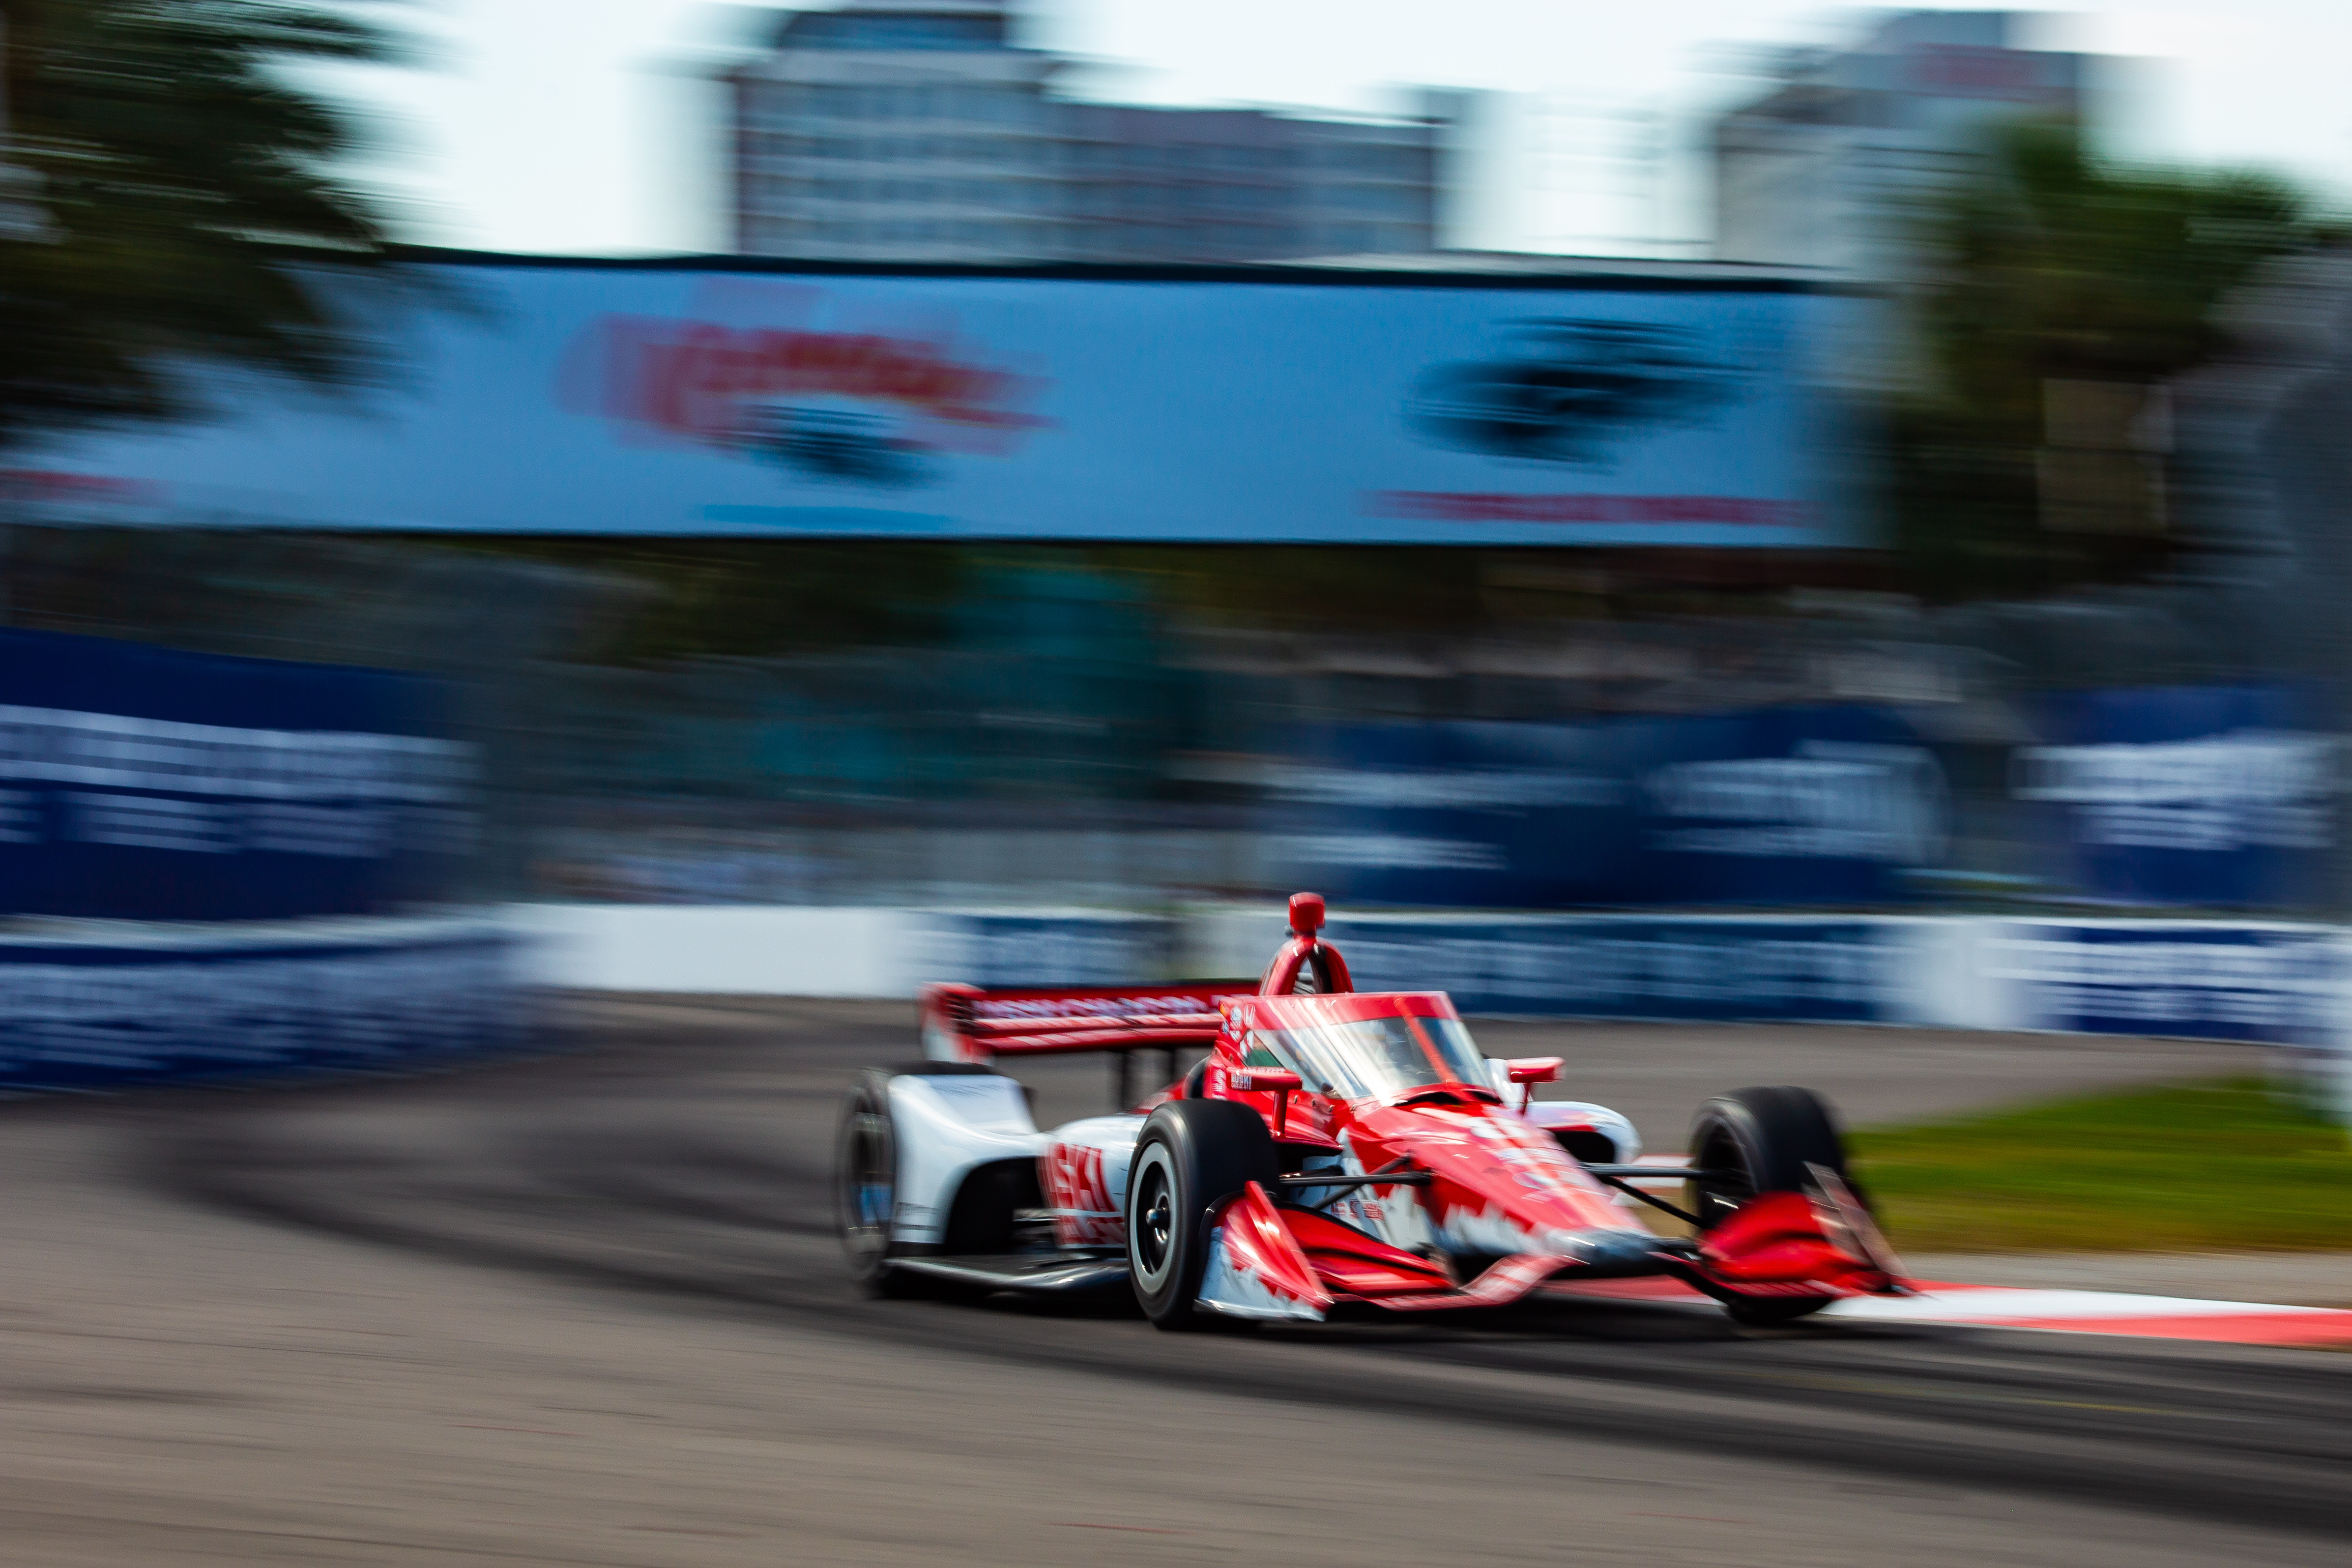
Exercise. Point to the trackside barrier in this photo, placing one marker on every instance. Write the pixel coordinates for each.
(113, 1006)
(1634, 966)
(104, 1004)
(2256, 981)
(2266, 982)
(796, 951)
(2272, 982)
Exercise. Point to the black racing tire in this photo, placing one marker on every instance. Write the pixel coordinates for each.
(1192, 1154)
(1761, 1140)
(866, 1185)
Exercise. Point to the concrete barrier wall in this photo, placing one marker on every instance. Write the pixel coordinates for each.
(2265, 981)
(785, 951)
(791, 951)
(2210, 979)
(107, 1003)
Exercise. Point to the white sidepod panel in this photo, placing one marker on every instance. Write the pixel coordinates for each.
(1565, 1115)
(945, 1126)
(1561, 1115)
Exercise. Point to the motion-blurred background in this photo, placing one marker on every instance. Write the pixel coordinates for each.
(1119, 463)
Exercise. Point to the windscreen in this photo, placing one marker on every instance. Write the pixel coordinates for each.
(1377, 1059)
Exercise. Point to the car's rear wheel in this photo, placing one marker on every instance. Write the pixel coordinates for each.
(865, 1184)
(1192, 1155)
(1756, 1140)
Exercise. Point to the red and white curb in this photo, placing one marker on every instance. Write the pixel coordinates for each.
(2059, 1311)
(2105, 1312)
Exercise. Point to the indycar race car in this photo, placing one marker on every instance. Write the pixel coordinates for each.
(1335, 1151)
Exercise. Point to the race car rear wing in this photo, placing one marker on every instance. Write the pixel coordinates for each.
(967, 1023)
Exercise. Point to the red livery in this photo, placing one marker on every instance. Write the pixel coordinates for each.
(1334, 1150)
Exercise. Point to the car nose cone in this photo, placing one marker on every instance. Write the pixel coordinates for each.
(1603, 1254)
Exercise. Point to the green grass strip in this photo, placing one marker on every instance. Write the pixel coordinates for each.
(2223, 1166)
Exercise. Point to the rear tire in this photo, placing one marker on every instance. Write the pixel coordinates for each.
(1192, 1155)
(866, 1185)
(1761, 1140)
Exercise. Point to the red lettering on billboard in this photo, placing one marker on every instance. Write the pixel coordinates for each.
(1738, 511)
(688, 379)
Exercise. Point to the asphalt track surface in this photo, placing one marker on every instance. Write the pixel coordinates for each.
(587, 1309)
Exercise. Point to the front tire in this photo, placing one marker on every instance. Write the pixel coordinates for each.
(1761, 1140)
(1192, 1155)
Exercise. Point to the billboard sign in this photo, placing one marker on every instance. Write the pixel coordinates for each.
(2218, 797)
(1778, 807)
(100, 1011)
(1784, 969)
(138, 782)
(619, 398)
(2280, 984)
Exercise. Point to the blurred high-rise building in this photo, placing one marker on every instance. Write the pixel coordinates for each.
(923, 131)
(1829, 169)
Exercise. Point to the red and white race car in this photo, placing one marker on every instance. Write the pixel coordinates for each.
(1335, 1150)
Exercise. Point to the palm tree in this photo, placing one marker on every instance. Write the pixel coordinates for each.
(2063, 294)
(194, 209)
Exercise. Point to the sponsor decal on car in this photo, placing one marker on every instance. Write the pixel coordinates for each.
(1084, 1213)
(1120, 1006)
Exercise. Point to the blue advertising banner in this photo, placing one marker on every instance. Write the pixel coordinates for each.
(1782, 806)
(2279, 984)
(1313, 404)
(94, 1015)
(1047, 949)
(2265, 981)
(139, 783)
(1786, 806)
(1489, 816)
(1756, 970)
(2218, 797)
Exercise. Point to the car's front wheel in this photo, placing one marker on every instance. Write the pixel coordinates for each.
(1192, 1155)
(1756, 1140)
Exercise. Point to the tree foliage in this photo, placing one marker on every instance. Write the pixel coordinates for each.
(194, 194)
(736, 598)
(2052, 270)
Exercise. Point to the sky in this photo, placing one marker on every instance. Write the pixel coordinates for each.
(588, 126)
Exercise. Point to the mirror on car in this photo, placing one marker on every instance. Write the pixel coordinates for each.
(1281, 1081)
(1529, 1071)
